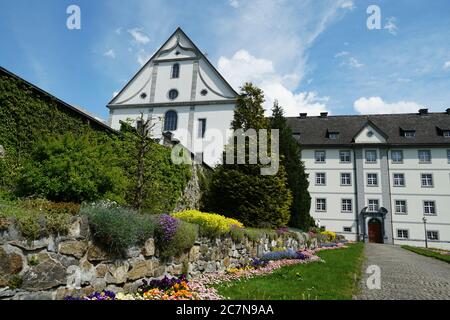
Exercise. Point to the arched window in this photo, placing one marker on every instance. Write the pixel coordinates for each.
(175, 71)
(170, 121)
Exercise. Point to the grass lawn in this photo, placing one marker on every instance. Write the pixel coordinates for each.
(428, 253)
(332, 280)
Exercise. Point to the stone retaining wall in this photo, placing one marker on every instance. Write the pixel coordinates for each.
(56, 266)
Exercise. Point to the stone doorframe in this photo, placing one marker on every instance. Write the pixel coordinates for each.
(366, 216)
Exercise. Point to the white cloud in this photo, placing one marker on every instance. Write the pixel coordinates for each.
(281, 31)
(110, 54)
(353, 63)
(139, 36)
(243, 67)
(376, 105)
(119, 31)
(143, 56)
(391, 25)
(341, 54)
(447, 65)
(350, 5)
(234, 3)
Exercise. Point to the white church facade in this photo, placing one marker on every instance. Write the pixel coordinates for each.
(183, 93)
(378, 178)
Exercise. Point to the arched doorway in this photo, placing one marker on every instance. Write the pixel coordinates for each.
(375, 231)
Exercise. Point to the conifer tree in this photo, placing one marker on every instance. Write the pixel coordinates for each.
(296, 175)
(240, 190)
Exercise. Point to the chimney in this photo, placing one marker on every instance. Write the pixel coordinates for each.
(303, 115)
(448, 111)
(324, 114)
(423, 112)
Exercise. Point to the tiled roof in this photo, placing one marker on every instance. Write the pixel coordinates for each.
(428, 128)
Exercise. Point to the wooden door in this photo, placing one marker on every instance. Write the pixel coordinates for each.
(375, 232)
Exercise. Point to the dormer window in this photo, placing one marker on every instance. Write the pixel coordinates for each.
(175, 71)
(446, 133)
(409, 133)
(333, 135)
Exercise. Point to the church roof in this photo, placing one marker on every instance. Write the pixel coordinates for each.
(160, 51)
(77, 110)
(428, 128)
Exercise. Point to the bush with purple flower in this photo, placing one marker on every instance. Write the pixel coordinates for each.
(167, 228)
(259, 263)
(162, 284)
(100, 296)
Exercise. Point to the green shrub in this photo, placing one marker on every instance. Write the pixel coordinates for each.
(72, 168)
(163, 181)
(254, 234)
(183, 240)
(237, 234)
(37, 221)
(118, 228)
(210, 224)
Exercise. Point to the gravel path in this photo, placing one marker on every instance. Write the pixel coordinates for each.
(405, 275)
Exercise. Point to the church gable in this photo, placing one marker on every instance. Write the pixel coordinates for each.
(177, 73)
(370, 134)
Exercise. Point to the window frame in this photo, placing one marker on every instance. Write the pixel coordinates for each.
(405, 206)
(175, 67)
(426, 161)
(324, 176)
(401, 236)
(346, 205)
(378, 205)
(201, 130)
(394, 179)
(165, 120)
(392, 157)
(349, 184)
(324, 203)
(367, 177)
(422, 180)
(437, 233)
(316, 152)
(349, 156)
(169, 94)
(409, 134)
(376, 156)
(425, 206)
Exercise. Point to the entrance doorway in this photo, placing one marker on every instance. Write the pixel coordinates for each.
(375, 231)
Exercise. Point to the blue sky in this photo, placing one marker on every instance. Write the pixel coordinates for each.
(310, 55)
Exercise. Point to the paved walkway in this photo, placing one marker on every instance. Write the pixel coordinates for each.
(405, 275)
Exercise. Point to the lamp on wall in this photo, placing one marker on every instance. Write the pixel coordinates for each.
(425, 228)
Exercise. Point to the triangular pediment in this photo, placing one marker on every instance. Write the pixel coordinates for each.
(197, 75)
(370, 133)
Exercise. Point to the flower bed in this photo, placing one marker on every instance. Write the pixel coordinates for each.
(202, 287)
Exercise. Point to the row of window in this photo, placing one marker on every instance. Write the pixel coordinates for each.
(372, 179)
(403, 133)
(371, 156)
(373, 205)
(431, 234)
(171, 123)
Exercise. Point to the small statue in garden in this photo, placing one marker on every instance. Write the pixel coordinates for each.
(2, 152)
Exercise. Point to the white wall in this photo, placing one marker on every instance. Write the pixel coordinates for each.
(413, 192)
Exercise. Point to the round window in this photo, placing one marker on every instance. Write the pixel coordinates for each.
(143, 95)
(173, 94)
(204, 92)
(370, 134)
